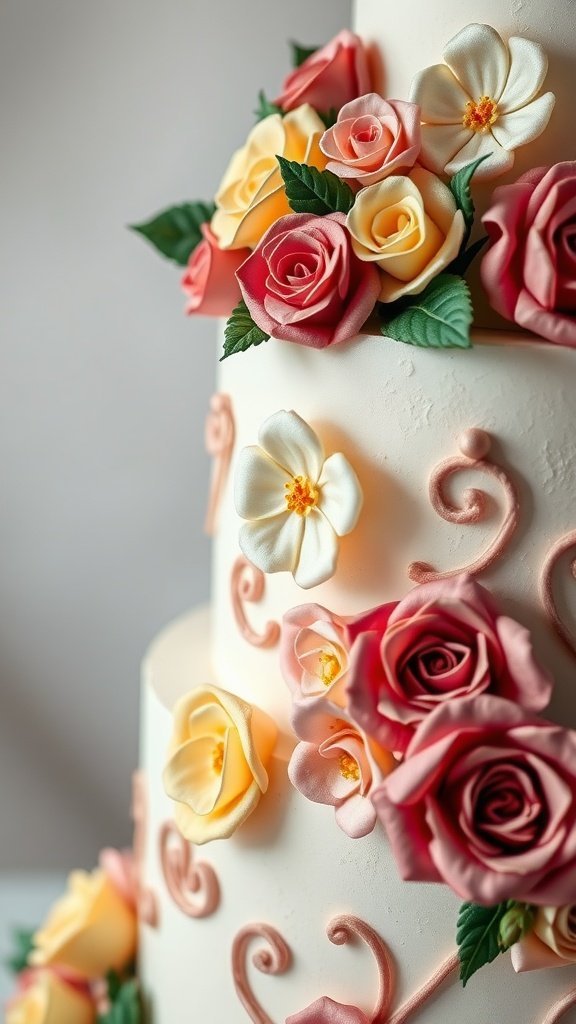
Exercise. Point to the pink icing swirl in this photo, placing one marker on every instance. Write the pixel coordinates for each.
(145, 898)
(474, 445)
(343, 930)
(275, 958)
(220, 433)
(247, 584)
(557, 1011)
(193, 886)
(558, 550)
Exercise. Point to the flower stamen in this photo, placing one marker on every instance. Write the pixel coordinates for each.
(480, 115)
(218, 757)
(349, 768)
(329, 667)
(301, 495)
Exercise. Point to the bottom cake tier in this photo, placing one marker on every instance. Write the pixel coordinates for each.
(262, 925)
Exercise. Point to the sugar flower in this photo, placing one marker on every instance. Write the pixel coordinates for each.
(48, 999)
(550, 943)
(482, 102)
(296, 502)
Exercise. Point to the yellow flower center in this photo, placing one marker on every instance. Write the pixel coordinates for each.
(329, 667)
(349, 768)
(479, 116)
(301, 495)
(218, 757)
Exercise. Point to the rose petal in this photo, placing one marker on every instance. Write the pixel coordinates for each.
(356, 816)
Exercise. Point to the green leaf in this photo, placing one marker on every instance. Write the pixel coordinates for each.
(22, 947)
(477, 936)
(175, 232)
(125, 1006)
(440, 317)
(301, 53)
(309, 190)
(329, 118)
(460, 189)
(241, 332)
(466, 256)
(265, 108)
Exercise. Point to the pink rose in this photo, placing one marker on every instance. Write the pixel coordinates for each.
(444, 641)
(373, 138)
(314, 655)
(329, 78)
(484, 802)
(326, 1011)
(209, 281)
(304, 283)
(529, 270)
(120, 867)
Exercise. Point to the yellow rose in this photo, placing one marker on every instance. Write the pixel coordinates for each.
(90, 930)
(410, 227)
(251, 196)
(216, 771)
(49, 1000)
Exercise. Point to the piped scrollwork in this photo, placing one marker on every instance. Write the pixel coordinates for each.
(220, 434)
(273, 958)
(559, 549)
(146, 898)
(474, 446)
(247, 585)
(557, 1011)
(193, 885)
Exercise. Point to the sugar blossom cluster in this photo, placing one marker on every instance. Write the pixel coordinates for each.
(425, 714)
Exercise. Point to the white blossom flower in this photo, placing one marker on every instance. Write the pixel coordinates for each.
(297, 503)
(482, 101)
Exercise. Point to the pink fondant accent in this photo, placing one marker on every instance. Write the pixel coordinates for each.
(247, 584)
(193, 886)
(560, 548)
(474, 447)
(275, 959)
(146, 901)
(220, 434)
(345, 929)
(557, 1011)
(428, 989)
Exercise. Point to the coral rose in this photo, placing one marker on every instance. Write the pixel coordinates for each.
(409, 227)
(209, 281)
(484, 802)
(91, 930)
(50, 1000)
(305, 284)
(446, 640)
(330, 77)
(529, 269)
(372, 139)
(251, 196)
(216, 770)
(551, 943)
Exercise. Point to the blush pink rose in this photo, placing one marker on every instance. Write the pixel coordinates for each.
(314, 651)
(329, 78)
(443, 642)
(373, 138)
(120, 867)
(209, 281)
(326, 1011)
(484, 801)
(304, 283)
(529, 270)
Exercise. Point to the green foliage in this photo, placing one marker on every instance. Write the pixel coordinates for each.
(309, 190)
(478, 937)
(241, 332)
(265, 108)
(176, 231)
(440, 317)
(460, 189)
(329, 117)
(125, 1006)
(21, 949)
(301, 53)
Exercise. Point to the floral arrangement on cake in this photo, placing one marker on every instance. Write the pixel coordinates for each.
(79, 966)
(345, 206)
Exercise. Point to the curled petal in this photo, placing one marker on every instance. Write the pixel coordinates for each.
(292, 443)
(479, 58)
(528, 69)
(341, 494)
(259, 485)
(273, 545)
(318, 552)
(439, 95)
(524, 125)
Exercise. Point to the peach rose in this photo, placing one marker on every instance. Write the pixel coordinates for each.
(216, 770)
(90, 930)
(209, 281)
(409, 227)
(372, 139)
(251, 196)
(50, 1000)
(330, 77)
(551, 943)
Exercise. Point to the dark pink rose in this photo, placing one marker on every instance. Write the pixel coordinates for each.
(326, 1011)
(529, 270)
(304, 283)
(330, 77)
(209, 280)
(373, 138)
(445, 641)
(484, 801)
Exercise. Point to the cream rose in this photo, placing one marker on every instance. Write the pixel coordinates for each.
(49, 1000)
(551, 943)
(216, 770)
(410, 227)
(251, 196)
(90, 930)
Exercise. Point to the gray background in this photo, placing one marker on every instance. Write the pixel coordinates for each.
(108, 112)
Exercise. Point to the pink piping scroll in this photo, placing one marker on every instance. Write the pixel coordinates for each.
(146, 898)
(560, 548)
(247, 584)
(474, 445)
(220, 433)
(193, 886)
(273, 959)
(345, 929)
(557, 1011)
(428, 989)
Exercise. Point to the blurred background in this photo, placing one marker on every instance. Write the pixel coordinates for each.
(109, 111)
